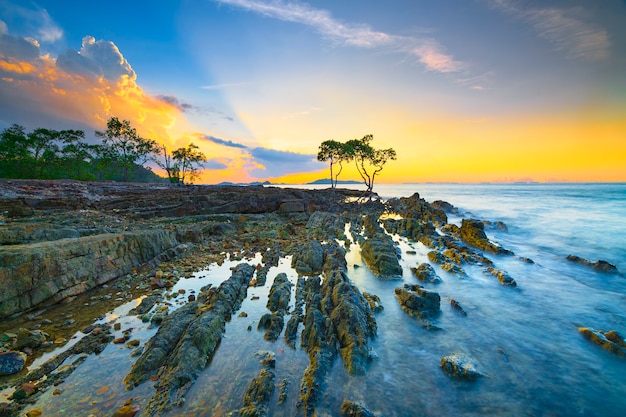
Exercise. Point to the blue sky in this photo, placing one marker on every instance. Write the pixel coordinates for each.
(476, 89)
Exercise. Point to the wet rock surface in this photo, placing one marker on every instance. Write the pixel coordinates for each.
(460, 366)
(600, 265)
(610, 340)
(332, 320)
(180, 359)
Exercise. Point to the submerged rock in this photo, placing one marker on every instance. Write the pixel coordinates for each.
(355, 409)
(600, 266)
(611, 340)
(459, 365)
(258, 395)
(503, 278)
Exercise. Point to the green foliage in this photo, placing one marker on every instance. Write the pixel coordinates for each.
(122, 144)
(335, 153)
(51, 154)
(368, 160)
(187, 162)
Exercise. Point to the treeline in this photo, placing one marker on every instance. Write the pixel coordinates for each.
(64, 154)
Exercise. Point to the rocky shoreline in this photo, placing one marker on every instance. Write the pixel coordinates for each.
(103, 244)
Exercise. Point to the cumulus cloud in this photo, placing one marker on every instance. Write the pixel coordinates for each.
(568, 29)
(100, 58)
(15, 47)
(428, 51)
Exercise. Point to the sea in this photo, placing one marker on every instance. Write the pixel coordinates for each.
(525, 341)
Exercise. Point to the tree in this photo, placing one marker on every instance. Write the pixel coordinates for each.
(369, 161)
(122, 144)
(168, 165)
(188, 160)
(335, 153)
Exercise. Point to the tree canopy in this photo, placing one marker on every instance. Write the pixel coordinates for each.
(183, 164)
(369, 161)
(123, 145)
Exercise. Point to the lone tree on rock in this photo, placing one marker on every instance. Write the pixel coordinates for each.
(335, 153)
(369, 161)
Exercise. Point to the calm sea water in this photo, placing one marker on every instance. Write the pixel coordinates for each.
(525, 340)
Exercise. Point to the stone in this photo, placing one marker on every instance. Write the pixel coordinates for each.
(610, 341)
(380, 256)
(472, 231)
(600, 265)
(418, 301)
(503, 278)
(460, 366)
(11, 362)
(355, 409)
(309, 258)
(126, 411)
(29, 338)
(425, 272)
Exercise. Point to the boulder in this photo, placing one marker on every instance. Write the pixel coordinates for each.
(11, 362)
(380, 256)
(417, 301)
(611, 340)
(503, 278)
(425, 272)
(309, 258)
(472, 231)
(29, 338)
(258, 394)
(355, 409)
(461, 366)
(600, 265)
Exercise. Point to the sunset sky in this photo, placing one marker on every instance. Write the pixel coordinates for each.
(464, 90)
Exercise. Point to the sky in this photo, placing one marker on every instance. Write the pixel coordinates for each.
(463, 90)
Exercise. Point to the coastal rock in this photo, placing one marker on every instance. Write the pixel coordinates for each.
(457, 307)
(380, 256)
(417, 208)
(309, 259)
(355, 409)
(47, 272)
(280, 293)
(503, 278)
(425, 272)
(610, 341)
(29, 338)
(417, 301)
(472, 231)
(187, 340)
(258, 395)
(11, 362)
(461, 366)
(600, 266)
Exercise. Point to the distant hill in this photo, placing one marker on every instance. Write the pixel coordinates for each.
(245, 183)
(328, 181)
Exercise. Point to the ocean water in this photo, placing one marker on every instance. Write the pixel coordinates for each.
(524, 340)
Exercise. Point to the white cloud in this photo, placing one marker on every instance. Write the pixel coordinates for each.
(100, 58)
(428, 51)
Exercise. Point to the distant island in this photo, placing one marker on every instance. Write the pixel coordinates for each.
(328, 181)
